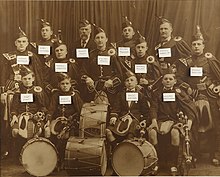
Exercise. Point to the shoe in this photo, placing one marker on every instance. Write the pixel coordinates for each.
(173, 171)
(155, 170)
(215, 162)
(5, 155)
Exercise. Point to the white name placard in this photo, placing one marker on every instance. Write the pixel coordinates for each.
(131, 96)
(65, 100)
(169, 97)
(124, 51)
(82, 53)
(164, 52)
(196, 71)
(103, 60)
(140, 68)
(23, 60)
(60, 67)
(44, 49)
(26, 97)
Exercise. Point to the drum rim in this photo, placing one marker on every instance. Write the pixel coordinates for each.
(130, 143)
(31, 141)
(105, 156)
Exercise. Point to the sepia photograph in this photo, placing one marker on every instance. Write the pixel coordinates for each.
(109, 88)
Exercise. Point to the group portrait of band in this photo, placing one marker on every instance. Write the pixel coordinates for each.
(102, 104)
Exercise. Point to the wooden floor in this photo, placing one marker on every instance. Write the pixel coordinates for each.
(12, 168)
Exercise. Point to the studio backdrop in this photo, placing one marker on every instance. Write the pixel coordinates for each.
(65, 15)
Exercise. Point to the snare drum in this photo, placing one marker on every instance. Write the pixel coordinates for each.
(93, 120)
(86, 154)
(39, 157)
(134, 158)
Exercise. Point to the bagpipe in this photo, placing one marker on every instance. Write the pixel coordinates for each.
(7, 94)
(183, 127)
(62, 125)
(99, 84)
(32, 125)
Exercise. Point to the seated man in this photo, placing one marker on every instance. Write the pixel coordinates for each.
(127, 114)
(61, 59)
(28, 111)
(164, 115)
(66, 116)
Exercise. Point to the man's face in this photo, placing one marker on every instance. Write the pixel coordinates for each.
(21, 44)
(169, 80)
(46, 32)
(128, 32)
(101, 40)
(28, 80)
(198, 47)
(61, 51)
(141, 49)
(165, 30)
(131, 82)
(84, 32)
(65, 85)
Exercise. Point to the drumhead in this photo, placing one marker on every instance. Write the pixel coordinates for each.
(39, 157)
(127, 159)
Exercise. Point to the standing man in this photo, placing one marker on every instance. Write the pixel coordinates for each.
(85, 41)
(103, 71)
(128, 33)
(206, 92)
(153, 70)
(179, 48)
(14, 60)
(46, 40)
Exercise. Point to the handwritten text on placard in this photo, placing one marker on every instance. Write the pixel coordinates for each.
(27, 97)
(169, 97)
(103, 60)
(44, 49)
(65, 100)
(124, 51)
(60, 67)
(164, 52)
(131, 96)
(82, 53)
(140, 68)
(23, 60)
(196, 71)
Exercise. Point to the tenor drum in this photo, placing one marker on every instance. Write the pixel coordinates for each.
(86, 154)
(39, 157)
(93, 120)
(134, 158)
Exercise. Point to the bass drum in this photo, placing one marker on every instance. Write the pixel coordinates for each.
(85, 155)
(39, 157)
(93, 120)
(134, 158)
